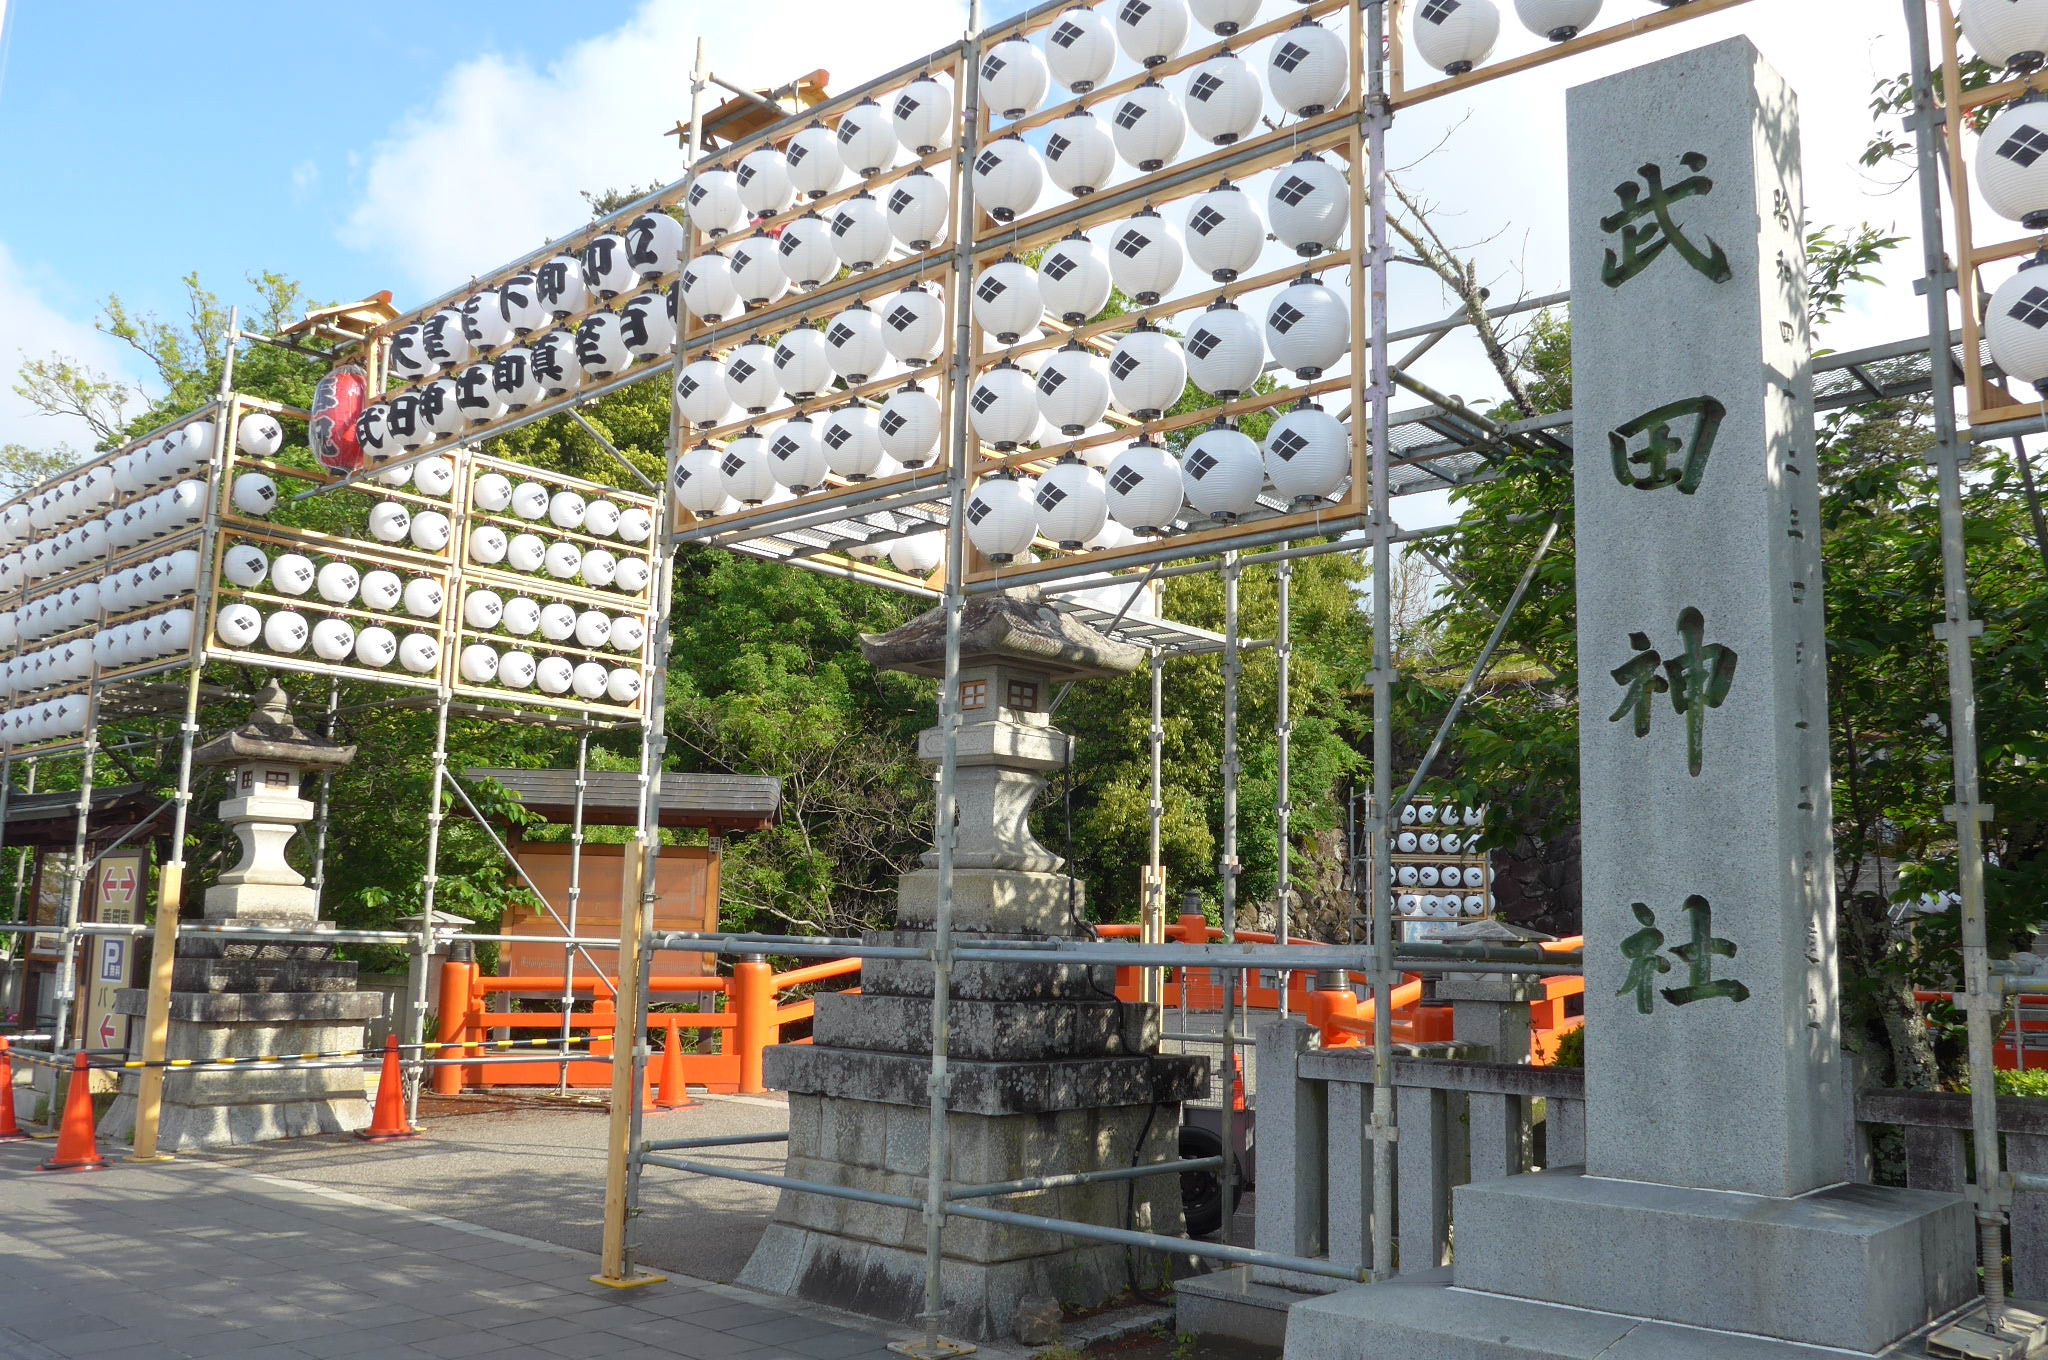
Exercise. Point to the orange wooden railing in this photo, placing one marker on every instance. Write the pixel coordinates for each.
(2020, 1040)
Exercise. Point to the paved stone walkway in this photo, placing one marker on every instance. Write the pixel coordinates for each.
(193, 1258)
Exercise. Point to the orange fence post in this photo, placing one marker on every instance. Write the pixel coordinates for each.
(753, 1001)
(451, 1022)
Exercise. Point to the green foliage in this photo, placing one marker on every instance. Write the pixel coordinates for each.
(2032, 1082)
(1571, 1049)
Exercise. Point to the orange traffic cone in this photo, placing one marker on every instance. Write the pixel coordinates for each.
(675, 1094)
(76, 1150)
(387, 1124)
(1236, 1080)
(10, 1132)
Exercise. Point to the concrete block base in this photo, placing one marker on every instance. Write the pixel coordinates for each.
(189, 1128)
(1230, 1303)
(1425, 1317)
(1854, 1267)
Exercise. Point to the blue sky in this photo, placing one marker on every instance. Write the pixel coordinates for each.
(408, 147)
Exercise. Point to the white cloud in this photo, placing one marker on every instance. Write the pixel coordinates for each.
(32, 328)
(492, 165)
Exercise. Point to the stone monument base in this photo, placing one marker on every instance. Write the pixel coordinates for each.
(1557, 1263)
(249, 999)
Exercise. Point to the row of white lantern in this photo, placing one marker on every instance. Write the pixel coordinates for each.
(1433, 842)
(157, 515)
(1440, 875)
(249, 567)
(138, 642)
(557, 621)
(494, 493)
(560, 559)
(86, 496)
(240, 626)
(2009, 34)
(60, 611)
(1454, 36)
(51, 720)
(54, 667)
(855, 346)
(157, 581)
(854, 442)
(481, 664)
(2012, 175)
(1446, 814)
(1441, 904)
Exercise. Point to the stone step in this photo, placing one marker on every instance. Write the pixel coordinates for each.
(263, 975)
(256, 1040)
(261, 1007)
(992, 1031)
(228, 947)
(247, 1085)
(989, 1088)
(984, 981)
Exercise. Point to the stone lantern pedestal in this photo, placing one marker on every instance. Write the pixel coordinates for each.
(252, 998)
(1049, 1072)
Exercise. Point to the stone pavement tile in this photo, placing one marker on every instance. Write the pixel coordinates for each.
(14, 1346)
(534, 1331)
(60, 1321)
(416, 1333)
(96, 1343)
(837, 1344)
(469, 1343)
(586, 1344)
(232, 1339)
(682, 1302)
(682, 1338)
(782, 1331)
(306, 1327)
(737, 1315)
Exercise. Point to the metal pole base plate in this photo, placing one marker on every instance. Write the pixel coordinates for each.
(630, 1281)
(944, 1349)
(2024, 1335)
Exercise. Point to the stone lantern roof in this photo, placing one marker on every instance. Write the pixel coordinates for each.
(1016, 626)
(271, 735)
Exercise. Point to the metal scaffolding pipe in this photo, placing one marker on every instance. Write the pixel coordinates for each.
(1114, 1173)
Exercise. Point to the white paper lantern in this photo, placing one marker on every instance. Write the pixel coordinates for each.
(2006, 33)
(1145, 256)
(1151, 31)
(334, 640)
(1014, 78)
(2016, 323)
(1223, 100)
(560, 288)
(519, 304)
(447, 347)
(635, 524)
(1074, 279)
(565, 509)
(433, 476)
(1073, 388)
(709, 289)
(1080, 155)
(1080, 48)
(1225, 232)
(2012, 163)
(860, 232)
(381, 591)
(795, 459)
(696, 480)
(1148, 126)
(1224, 17)
(1306, 69)
(476, 398)
(1308, 454)
(806, 252)
(593, 628)
(1222, 473)
(1147, 372)
(259, 435)
(1144, 488)
(558, 622)
(562, 560)
(622, 685)
(909, 426)
(554, 363)
(1225, 354)
(245, 565)
(646, 328)
(483, 321)
(1561, 20)
(633, 575)
(1308, 327)
(815, 169)
(1309, 205)
(553, 674)
(601, 347)
(745, 469)
(1008, 177)
(628, 634)
(1002, 406)
(750, 376)
(606, 270)
(851, 441)
(422, 597)
(286, 631)
(589, 679)
(1006, 301)
(762, 178)
(1073, 503)
(853, 344)
(917, 207)
(922, 113)
(714, 203)
(701, 394)
(913, 325)
(803, 362)
(292, 574)
(757, 271)
(338, 582)
(419, 653)
(867, 139)
(407, 353)
(515, 669)
(654, 244)
(600, 518)
(478, 663)
(1002, 517)
(600, 568)
(238, 625)
(253, 494)
(1455, 35)
(513, 379)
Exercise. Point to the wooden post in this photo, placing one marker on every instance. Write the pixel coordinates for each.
(629, 1051)
(156, 1021)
